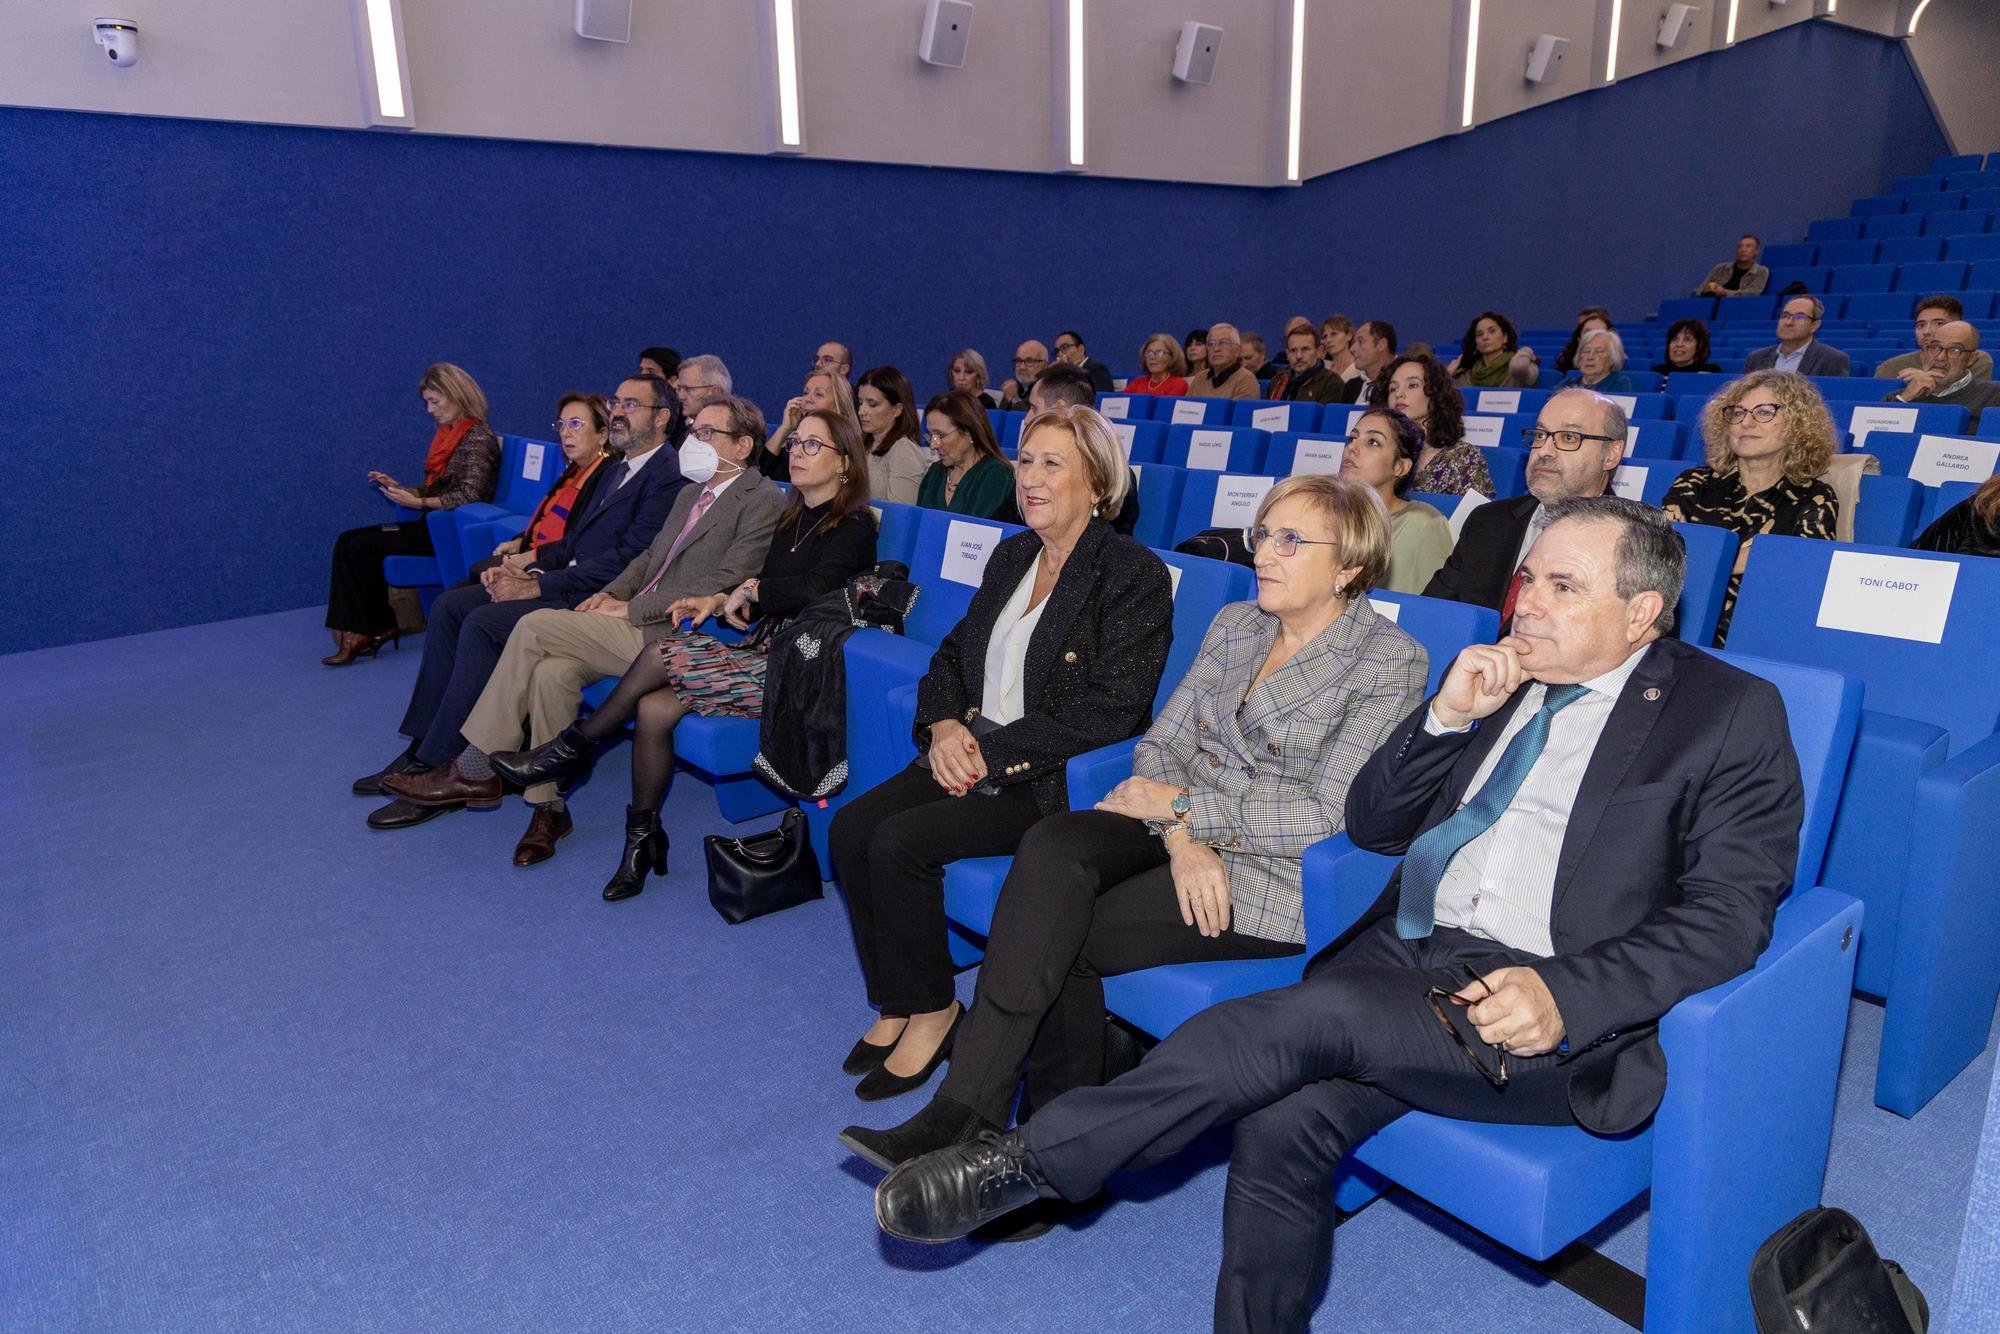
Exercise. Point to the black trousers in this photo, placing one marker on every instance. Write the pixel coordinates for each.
(1305, 1073)
(1090, 895)
(357, 597)
(890, 846)
(468, 631)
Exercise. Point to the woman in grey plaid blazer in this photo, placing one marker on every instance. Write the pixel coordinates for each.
(1196, 857)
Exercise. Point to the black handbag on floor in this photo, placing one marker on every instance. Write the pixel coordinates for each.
(764, 873)
(1820, 1273)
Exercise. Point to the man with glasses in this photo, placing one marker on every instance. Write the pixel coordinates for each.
(1947, 374)
(619, 514)
(1515, 967)
(713, 539)
(1574, 447)
(1030, 360)
(1797, 350)
(1225, 375)
(703, 380)
(1071, 352)
(1931, 314)
(836, 358)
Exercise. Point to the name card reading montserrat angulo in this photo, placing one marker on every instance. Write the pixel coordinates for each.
(966, 547)
(1237, 499)
(1898, 597)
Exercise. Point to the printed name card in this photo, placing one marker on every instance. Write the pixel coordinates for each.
(1174, 573)
(1126, 431)
(1317, 457)
(1631, 438)
(1237, 499)
(1115, 407)
(1941, 458)
(1354, 416)
(1630, 481)
(1272, 419)
(1629, 402)
(1501, 401)
(1467, 503)
(1485, 430)
(1186, 412)
(1871, 417)
(1387, 610)
(531, 460)
(1898, 597)
(966, 547)
(1208, 449)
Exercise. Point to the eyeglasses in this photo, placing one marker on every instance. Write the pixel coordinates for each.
(707, 434)
(571, 423)
(632, 405)
(1763, 412)
(1567, 441)
(1222, 342)
(1284, 542)
(810, 445)
(1796, 316)
(1031, 361)
(1068, 347)
(934, 437)
(1436, 997)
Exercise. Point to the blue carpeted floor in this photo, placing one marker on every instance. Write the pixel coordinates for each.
(266, 1069)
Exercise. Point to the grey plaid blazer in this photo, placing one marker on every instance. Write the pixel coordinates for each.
(1268, 779)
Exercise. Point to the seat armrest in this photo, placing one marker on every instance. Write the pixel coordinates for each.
(1094, 773)
(1341, 883)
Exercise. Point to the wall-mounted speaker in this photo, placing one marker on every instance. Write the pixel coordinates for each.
(947, 30)
(1676, 23)
(1545, 58)
(1195, 52)
(604, 20)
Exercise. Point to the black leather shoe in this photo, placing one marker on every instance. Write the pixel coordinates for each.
(406, 763)
(400, 814)
(880, 1084)
(568, 754)
(645, 850)
(944, 1195)
(865, 1056)
(942, 1122)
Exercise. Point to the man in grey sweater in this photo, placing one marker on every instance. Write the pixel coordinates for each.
(1947, 377)
(1742, 277)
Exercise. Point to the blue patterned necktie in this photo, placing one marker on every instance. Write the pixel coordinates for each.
(1424, 865)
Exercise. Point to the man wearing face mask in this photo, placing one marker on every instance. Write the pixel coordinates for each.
(715, 537)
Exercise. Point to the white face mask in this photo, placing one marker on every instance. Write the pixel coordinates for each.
(699, 461)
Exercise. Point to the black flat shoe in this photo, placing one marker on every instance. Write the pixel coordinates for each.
(400, 814)
(645, 851)
(406, 763)
(941, 1123)
(880, 1084)
(568, 754)
(943, 1196)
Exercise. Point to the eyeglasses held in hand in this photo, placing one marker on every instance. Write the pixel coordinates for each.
(1567, 441)
(1763, 412)
(1437, 998)
(1284, 542)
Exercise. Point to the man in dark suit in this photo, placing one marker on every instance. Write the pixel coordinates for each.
(1576, 444)
(625, 504)
(1597, 823)
(1797, 349)
(1070, 350)
(1304, 379)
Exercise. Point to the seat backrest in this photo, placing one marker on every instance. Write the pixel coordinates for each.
(1191, 411)
(1142, 441)
(1445, 629)
(946, 562)
(1659, 439)
(1856, 250)
(1968, 222)
(1943, 498)
(1834, 229)
(1788, 253)
(1973, 249)
(1922, 207)
(1928, 183)
(1509, 469)
(1909, 250)
(1219, 500)
(1202, 587)
(1842, 389)
(1215, 448)
(1886, 510)
(1646, 479)
(1747, 310)
(1871, 612)
(1944, 275)
(1711, 554)
(1160, 489)
(1299, 454)
(1707, 384)
(1901, 224)
(1505, 402)
(1127, 407)
(896, 531)
(528, 468)
(1280, 416)
(1861, 278)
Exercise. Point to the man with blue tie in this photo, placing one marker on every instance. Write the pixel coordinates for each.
(1596, 822)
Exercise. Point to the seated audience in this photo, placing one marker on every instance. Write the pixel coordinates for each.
(1769, 438)
(1281, 359)
(1552, 1000)
(824, 392)
(1336, 348)
(703, 380)
(1573, 449)
(715, 536)
(461, 466)
(1186, 861)
(1797, 350)
(1067, 386)
(996, 725)
(1415, 385)
(1587, 319)
(971, 475)
(1071, 351)
(1969, 528)
(887, 409)
(1254, 354)
(1932, 313)
(968, 376)
(1304, 380)
(1946, 375)
(1490, 356)
(1600, 364)
(1382, 453)
(1165, 366)
(1030, 360)
(615, 504)
(835, 357)
(1687, 350)
(1742, 277)
(1373, 347)
(825, 537)
(661, 361)
(1195, 349)
(1225, 375)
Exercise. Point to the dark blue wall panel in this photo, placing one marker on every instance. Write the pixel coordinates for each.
(211, 331)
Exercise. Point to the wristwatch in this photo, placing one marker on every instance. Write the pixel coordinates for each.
(1181, 805)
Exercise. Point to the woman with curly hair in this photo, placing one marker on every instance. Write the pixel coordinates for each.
(1415, 385)
(1490, 356)
(1769, 438)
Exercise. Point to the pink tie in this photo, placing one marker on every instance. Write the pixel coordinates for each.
(680, 540)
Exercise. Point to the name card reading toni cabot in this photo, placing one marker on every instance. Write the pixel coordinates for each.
(1941, 458)
(1316, 458)
(1868, 418)
(1501, 401)
(966, 547)
(1186, 412)
(1237, 499)
(1115, 407)
(1208, 449)
(1898, 597)
(531, 460)
(1272, 419)
(1630, 481)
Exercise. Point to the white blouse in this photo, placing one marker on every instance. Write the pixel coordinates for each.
(1007, 652)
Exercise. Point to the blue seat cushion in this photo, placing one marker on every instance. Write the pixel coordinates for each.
(410, 571)
(972, 888)
(1159, 1000)
(721, 746)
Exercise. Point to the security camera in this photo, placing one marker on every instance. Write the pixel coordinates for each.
(120, 40)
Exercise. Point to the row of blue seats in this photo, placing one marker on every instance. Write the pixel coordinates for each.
(1884, 310)
(1947, 219)
(528, 468)
(1913, 280)
(1950, 164)
(1965, 246)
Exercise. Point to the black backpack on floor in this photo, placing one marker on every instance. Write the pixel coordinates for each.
(1819, 1273)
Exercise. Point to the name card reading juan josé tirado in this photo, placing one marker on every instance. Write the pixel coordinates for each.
(1898, 597)
(966, 547)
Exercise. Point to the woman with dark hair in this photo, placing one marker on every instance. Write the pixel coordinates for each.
(661, 361)
(971, 475)
(1194, 350)
(1490, 356)
(581, 427)
(1590, 317)
(1415, 385)
(461, 466)
(1969, 528)
(825, 537)
(1687, 349)
(887, 409)
(1382, 452)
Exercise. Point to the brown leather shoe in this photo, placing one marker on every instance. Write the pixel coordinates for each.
(444, 786)
(545, 826)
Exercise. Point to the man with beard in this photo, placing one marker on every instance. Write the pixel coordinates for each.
(627, 504)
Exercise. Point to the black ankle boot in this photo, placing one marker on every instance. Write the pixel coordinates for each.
(942, 1122)
(645, 850)
(566, 755)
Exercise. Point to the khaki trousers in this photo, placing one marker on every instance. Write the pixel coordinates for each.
(551, 656)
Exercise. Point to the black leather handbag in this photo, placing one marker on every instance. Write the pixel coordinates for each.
(1820, 1273)
(765, 873)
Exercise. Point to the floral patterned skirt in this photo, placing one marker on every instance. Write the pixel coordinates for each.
(714, 679)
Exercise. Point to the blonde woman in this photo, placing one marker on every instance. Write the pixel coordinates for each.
(968, 376)
(826, 392)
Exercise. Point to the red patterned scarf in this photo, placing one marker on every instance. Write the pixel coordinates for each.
(443, 445)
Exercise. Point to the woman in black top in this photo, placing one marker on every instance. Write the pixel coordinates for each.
(1687, 349)
(823, 539)
(1969, 528)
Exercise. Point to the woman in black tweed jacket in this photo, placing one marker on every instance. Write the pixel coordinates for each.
(1060, 652)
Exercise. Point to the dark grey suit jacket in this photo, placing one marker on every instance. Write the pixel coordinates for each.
(727, 546)
(1819, 359)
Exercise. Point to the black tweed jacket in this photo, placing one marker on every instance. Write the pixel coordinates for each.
(1093, 663)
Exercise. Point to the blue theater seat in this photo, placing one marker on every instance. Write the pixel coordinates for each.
(1973, 249)
(1218, 500)
(1856, 250)
(1215, 448)
(1143, 441)
(1814, 277)
(1834, 229)
(1129, 407)
(1943, 498)
(1930, 183)
(1886, 510)
(1291, 454)
(1956, 163)
(1937, 276)
(1888, 307)
(1862, 278)
(1276, 416)
(1160, 489)
(1869, 206)
(1697, 307)
(1969, 222)
(896, 531)
(1747, 310)
(1910, 250)
(1509, 402)
(1921, 207)
(1903, 224)
(1663, 438)
(1509, 469)
(1795, 252)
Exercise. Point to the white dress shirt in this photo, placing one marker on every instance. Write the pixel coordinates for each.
(633, 465)
(1007, 652)
(1789, 361)
(1501, 885)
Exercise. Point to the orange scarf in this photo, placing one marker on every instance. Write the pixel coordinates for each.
(552, 515)
(443, 445)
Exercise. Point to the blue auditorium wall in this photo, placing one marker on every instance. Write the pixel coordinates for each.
(213, 330)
